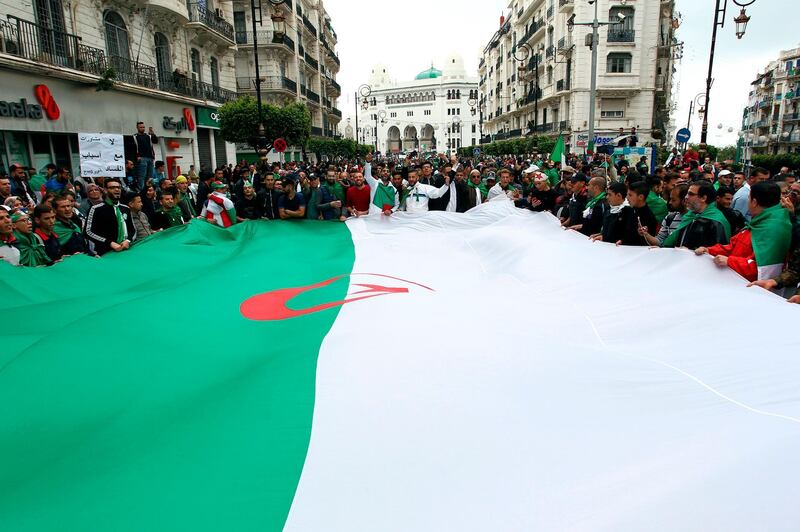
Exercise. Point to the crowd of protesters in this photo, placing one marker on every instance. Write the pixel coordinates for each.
(746, 222)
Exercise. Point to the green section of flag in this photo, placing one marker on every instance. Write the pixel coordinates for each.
(136, 397)
(558, 151)
(771, 235)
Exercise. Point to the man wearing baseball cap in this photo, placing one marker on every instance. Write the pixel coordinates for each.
(187, 198)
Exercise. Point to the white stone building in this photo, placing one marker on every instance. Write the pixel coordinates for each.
(301, 66)
(173, 63)
(435, 111)
(634, 71)
(771, 122)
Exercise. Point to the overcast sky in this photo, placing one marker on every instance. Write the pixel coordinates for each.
(407, 35)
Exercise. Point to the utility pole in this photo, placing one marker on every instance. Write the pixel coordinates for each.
(593, 88)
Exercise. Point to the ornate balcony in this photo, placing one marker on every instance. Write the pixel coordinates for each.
(210, 24)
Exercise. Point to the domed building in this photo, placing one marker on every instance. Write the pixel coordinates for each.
(436, 111)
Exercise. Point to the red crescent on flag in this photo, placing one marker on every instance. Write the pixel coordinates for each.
(272, 306)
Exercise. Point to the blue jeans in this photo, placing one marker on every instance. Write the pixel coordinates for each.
(144, 171)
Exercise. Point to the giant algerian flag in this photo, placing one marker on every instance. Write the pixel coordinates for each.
(441, 372)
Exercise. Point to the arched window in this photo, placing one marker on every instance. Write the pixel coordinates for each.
(214, 72)
(449, 94)
(116, 38)
(197, 68)
(458, 94)
(163, 58)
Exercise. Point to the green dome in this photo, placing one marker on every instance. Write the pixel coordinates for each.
(431, 73)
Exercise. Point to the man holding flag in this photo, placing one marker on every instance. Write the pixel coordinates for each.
(758, 252)
(383, 196)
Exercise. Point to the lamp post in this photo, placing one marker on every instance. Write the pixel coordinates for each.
(593, 44)
(364, 91)
(719, 22)
(521, 54)
(454, 125)
(278, 32)
(382, 116)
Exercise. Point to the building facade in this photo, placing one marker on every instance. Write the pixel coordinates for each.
(302, 66)
(771, 121)
(543, 88)
(436, 111)
(171, 63)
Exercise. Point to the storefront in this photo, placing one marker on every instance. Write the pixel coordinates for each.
(40, 119)
(212, 151)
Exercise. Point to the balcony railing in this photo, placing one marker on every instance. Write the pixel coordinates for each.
(534, 27)
(615, 35)
(564, 125)
(564, 43)
(514, 133)
(267, 83)
(39, 43)
(313, 96)
(563, 3)
(336, 85)
(200, 13)
(307, 23)
(316, 131)
(550, 12)
(562, 85)
(550, 52)
(791, 117)
(265, 38)
(336, 112)
(311, 61)
(543, 128)
(46, 45)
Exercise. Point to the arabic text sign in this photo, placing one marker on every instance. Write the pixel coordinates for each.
(102, 154)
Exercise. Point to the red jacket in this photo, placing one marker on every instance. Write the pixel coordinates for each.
(741, 257)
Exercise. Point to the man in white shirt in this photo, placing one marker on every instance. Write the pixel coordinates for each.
(419, 194)
(382, 194)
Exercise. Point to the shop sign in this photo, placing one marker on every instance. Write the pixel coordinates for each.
(183, 124)
(47, 106)
(208, 117)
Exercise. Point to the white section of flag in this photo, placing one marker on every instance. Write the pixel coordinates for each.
(550, 384)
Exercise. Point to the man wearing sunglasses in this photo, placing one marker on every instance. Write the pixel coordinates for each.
(109, 226)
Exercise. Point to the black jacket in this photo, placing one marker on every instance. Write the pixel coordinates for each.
(465, 197)
(594, 223)
(440, 203)
(702, 232)
(101, 226)
(269, 202)
(250, 209)
(627, 225)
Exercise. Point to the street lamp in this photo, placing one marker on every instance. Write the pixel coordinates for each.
(382, 117)
(521, 54)
(279, 28)
(719, 22)
(455, 124)
(364, 90)
(593, 44)
(741, 24)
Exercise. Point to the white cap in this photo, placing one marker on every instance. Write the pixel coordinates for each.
(531, 169)
(724, 173)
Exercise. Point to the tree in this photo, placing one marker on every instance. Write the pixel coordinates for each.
(239, 122)
(728, 153)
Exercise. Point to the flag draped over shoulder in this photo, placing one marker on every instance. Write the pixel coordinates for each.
(190, 391)
(771, 236)
(711, 212)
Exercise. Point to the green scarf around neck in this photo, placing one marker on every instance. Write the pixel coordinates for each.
(711, 213)
(592, 202)
(120, 222)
